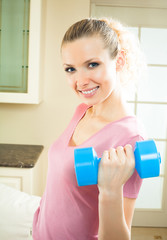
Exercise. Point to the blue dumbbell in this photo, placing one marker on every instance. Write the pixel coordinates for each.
(147, 162)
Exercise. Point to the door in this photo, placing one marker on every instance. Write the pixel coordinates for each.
(20, 29)
(149, 22)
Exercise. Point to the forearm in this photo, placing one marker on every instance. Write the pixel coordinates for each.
(112, 224)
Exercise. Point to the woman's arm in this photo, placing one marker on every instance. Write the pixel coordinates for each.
(115, 217)
(115, 212)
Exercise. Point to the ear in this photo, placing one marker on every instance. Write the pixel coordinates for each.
(120, 61)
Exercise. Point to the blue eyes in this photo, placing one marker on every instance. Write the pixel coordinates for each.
(93, 64)
(70, 69)
(90, 65)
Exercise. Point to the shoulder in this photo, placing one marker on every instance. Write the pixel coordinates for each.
(129, 130)
(133, 126)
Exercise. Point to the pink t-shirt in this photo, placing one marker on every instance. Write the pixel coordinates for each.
(69, 212)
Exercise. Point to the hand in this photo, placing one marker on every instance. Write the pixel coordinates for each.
(115, 168)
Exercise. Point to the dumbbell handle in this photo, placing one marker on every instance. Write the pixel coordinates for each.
(144, 157)
(99, 159)
(147, 162)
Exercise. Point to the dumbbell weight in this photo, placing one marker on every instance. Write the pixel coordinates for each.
(147, 162)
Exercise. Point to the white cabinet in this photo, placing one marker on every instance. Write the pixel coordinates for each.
(24, 179)
(21, 167)
(20, 51)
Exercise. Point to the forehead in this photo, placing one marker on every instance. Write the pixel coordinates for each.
(83, 48)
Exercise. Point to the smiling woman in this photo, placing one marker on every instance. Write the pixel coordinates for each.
(97, 58)
(92, 74)
(115, 37)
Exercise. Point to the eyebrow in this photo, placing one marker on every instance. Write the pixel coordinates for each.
(89, 60)
(66, 64)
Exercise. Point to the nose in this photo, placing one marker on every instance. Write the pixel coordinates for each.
(82, 79)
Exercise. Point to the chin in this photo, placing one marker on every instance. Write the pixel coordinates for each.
(90, 102)
(94, 100)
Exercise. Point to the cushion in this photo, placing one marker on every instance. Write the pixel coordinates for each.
(16, 213)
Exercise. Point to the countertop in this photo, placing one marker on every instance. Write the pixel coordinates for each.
(19, 156)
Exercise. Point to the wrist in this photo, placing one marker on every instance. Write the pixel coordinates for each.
(110, 196)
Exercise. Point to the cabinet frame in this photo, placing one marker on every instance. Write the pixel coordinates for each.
(33, 95)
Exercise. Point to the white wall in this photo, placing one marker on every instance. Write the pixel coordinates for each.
(43, 123)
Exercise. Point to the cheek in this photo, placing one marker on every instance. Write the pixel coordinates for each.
(71, 82)
(111, 76)
(97, 76)
(105, 75)
(108, 78)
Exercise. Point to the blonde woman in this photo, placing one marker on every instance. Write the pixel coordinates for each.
(100, 58)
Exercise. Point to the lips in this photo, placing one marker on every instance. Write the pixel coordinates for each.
(89, 92)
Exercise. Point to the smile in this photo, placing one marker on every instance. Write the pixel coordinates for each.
(90, 91)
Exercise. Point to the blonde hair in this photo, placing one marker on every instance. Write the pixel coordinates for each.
(116, 37)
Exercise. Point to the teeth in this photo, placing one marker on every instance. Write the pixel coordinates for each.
(88, 92)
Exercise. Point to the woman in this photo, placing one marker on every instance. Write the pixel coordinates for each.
(100, 57)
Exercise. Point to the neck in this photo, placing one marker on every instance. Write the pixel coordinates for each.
(113, 108)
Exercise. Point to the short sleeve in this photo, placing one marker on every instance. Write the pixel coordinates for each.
(132, 186)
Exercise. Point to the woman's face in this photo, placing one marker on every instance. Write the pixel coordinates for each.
(90, 70)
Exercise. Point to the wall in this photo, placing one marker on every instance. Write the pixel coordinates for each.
(43, 123)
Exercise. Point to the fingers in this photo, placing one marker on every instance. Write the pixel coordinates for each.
(120, 155)
(117, 155)
(128, 149)
(105, 156)
(130, 155)
(116, 167)
(112, 154)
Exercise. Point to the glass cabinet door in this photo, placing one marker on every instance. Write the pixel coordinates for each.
(19, 51)
(14, 25)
